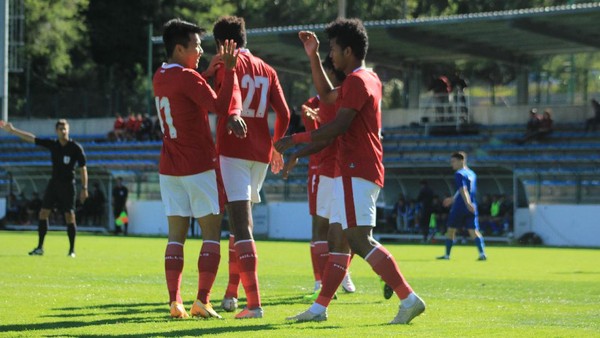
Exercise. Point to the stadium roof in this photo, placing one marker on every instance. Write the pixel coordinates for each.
(514, 36)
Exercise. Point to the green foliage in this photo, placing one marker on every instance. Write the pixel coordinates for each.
(116, 287)
(54, 30)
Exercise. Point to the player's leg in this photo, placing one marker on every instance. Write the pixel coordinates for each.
(66, 203)
(178, 228)
(243, 180)
(473, 228)
(205, 191)
(230, 300)
(116, 213)
(178, 211)
(71, 231)
(43, 225)
(48, 202)
(358, 222)
(208, 265)
(312, 186)
(453, 222)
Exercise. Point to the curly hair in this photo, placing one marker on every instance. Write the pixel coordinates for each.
(230, 28)
(349, 33)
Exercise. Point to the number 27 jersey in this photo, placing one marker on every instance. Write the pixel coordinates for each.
(260, 91)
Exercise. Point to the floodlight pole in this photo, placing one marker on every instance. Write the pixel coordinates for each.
(4, 57)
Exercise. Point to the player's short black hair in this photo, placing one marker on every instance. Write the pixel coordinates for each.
(460, 155)
(349, 33)
(328, 65)
(230, 28)
(177, 32)
(61, 122)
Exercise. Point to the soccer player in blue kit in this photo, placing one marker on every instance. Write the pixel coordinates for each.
(464, 208)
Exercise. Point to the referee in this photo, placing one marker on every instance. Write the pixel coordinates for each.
(60, 191)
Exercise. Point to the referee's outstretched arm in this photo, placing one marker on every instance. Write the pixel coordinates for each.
(24, 135)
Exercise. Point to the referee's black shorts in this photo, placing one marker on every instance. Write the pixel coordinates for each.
(60, 194)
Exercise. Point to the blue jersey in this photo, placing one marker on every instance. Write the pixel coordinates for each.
(464, 177)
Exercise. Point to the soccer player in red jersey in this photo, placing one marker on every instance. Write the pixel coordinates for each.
(244, 162)
(190, 182)
(359, 174)
(320, 197)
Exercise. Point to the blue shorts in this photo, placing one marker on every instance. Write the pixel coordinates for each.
(458, 220)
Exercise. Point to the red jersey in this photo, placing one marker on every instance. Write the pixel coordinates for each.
(260, 91)
(183, 100)
(119, 124)
(360, 153)
(310, 125)
(328, 155)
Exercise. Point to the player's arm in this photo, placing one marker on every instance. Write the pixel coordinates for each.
(309, 149)
(326, 132)
(84, 183)
(467, 198)
(23, 135)
(320, 79)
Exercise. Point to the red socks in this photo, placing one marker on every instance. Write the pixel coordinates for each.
(385, 266)
(173, 269)
(234, 271)
(322, 255)
(335, 270)
(208, 264)
(247, 263)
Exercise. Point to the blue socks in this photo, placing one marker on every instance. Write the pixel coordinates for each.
(480, 245)
(449, 244)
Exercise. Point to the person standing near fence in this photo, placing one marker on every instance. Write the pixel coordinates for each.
(119, 202)
(60, 191)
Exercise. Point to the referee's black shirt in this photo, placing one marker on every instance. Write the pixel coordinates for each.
(63, 158)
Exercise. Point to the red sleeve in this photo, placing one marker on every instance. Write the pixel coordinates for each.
(235, 107)
(219, 104)
(310, 124)
(280, 107)
(354, 93)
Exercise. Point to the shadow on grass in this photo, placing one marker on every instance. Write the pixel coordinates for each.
(120, 309)
(228, 329)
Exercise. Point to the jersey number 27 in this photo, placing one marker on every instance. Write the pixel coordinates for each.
(253, 84)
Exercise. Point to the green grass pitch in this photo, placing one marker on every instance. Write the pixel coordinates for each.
(116, 287)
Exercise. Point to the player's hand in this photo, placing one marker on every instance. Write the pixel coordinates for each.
(276, 162)
(310, 41)
(284, 144)
(312, 113)
(237, 126)
(228, 54)
(215, 63)
(471, 208)
(83, 195)
(289, 165)
(447, 202)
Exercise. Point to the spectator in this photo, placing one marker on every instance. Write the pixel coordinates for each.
(12, 208)
(33, 207)
(97, 203)
(130, 126)
(591, 123)
(425, 200)
(533, 126)
(145, 130)
(400, 212)
(118, 131)
(460, 101)
(22, 203)
(441, 88)
(119, 200)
